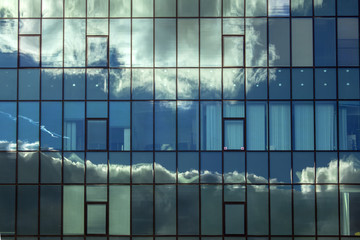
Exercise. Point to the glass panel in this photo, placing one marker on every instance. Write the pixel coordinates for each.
(349, 125)
(256, 8)
(234, 219)
(233, 109)
(188, 83)
(210, 8)
(349, 167)
(51, 84)
(234, 51)
(234, 135)
(188, 8)
(28, 167)
(142, 8)
(233, 83)
(10, 9)
(211, 210)
(303, 167)
(96, 135)
(119, 210)
(142, 126)
(165, 126)
(165, 217)
(74, 167)
(348, 83)
(9, 42)
(210, 83)
(119, 126)
(188, 209)
(119, 164)
(165, 8)
(324, 8)
(280, 210)
(142, 83)
(326, 167)
(165, 83)
(349, 209)
(27, 210)
(7, 216)
(97, 49)
(96, 218)
(304, 210)
(188, 39)
(256, 126)
(97, 27)
(52, 43)
(233, 26)
(211, 132)
(233, 8)
(119, 84)
(7, 167)
(256, 83)
(165, 42)
(8, 84)
(8, 124)
(188, 167)
(75, 8)
(142, 210)
(50, 210)
(256, 39)
(28, 126)
(97, 84)
(279, 37)
(142, 167)
(325, 42)
(280, 126)
(234, 193)
(210, 41)
(211, 167)
(29, 50)
(234, 167)
(51, 167)
(120, 8)
(280, 167)
(74, 51)
(301, 7)
(142, 43)
(257, 167)
(74, 84)
(52, 8)
(348, 41)
(279, 8)
(302, 83)
(326, 125)
(29, 82)
(327, 210)
(119, 50)
(73, 210)
(165, 167)
(188, 125)
(302, 46)
(29, 26)
(97, 8)
(51, 125)
(303, 125)
(96, 167)
(325, 83)
(257, 210)
(74, 125)
(96, 109)
(347, 7)
(30, 8)
(279, 83)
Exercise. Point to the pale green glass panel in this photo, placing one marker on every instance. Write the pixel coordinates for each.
(30, 8)
(119, 210)
(120, 8)
(97, 8)
(9, 9)
(52, 8)
(73, 210)
(75, 8)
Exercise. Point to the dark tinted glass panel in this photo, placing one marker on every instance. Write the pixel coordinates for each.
(165, 8)
(97, 84)
(119, 164)
(348, 83)
(280, 167)
(8, 84)
(50, 210)
(234, 219)
(27, 210)
(7, 208)
(51, 125)
(256, 41)
(349, 124)
(28, 126)
(165, 218)
(74, 167)
(96, 109)
(211, 210)
(256, 124)
(325, 83)
(302, 41)
(280, 210)
(74, 84)
(347, 7)
(50, 166)
(188, 209)
(188, 167)
(280, 126)
(165, 125)
(188, 119)
(303, 167)
(211, 169)
(234, 167)
(142, 210)
(74, 126)
(304, 210)
(142, 167)
(303, 126)
(234, 193)
(96, 135)
(142, 126)
(348, 41)
(211, 126)
(51, 84)
(257, 210)
(279, 36)
(8, 125)
(29, 82)
(301, 7)
(324, 8)
(119, 126)
(326, 125)
(325, 42)
(302, 83)
(28, 167)
(7, 167)
(257, 167)
(327, 210)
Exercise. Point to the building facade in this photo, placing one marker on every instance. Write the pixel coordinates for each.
(179, 119)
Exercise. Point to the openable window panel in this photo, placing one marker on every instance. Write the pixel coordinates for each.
(179, 119)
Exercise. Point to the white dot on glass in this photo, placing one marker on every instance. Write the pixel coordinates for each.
(301, 70)
(280, 84)
(325, 84)
(279, 70)
(325, 70)
(257, 85)
(302, 84)
(347, 70)
(74, 84)
(347, 84)
(96, 85)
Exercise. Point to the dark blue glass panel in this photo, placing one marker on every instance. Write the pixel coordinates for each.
(119, 164)
(74, 167)
(28, 135)
(142, 126)
(325, 41)
(142, 83)
(256, 126)
(348, 41)
(234, 167)
(188, 167)
(74, 84)
(97, 84)
(256, 83)
(8, 126)
(27, 210)
(211, 167)
(326, 125)
(302, 83)
(119, 84)
(96, 133)
(142, 167)
(303, 126)
(8, 45)
(8, 84)
(303, 167)
(7, 208)
(324, 8)
(280, 167)
(280, 125)
(51, 167)
(211, 131)
(96, 109)
(119, 126)
(279, 83)
(188, 209)
(50, 210)
(188, 125)
(51, 125)
(165, 167)
(348, 83)
(347, 7)
(349, 125)
(257, 167)
(7, 167)
(325, 83)
(29, 82)
(301, 7)
(326, 167)
(142, 210)
(74, 126)
(165, 125)
(51, 84)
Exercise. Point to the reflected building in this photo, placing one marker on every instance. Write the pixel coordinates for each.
(179, 119)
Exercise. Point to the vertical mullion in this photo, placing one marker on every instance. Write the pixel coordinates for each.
(131, 106)
(153, 70)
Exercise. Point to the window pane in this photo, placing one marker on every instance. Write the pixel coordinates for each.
(324, 8)
(7, 167)
(348, 41)
(279, 40)
(188, 125)
(349, 209)
(51, 84)
(165, 167)
(142, 167)
(302, 83)
(279, 8)
(29, 50)
(51, 167)
(75, 8)
(233, 83)
(119, 210)
(28, 167)
(325, 83)
(234, 219)
(50, 210)
(347, 7)
(326, 167)
(257, 167)
(188, 167)
(325, 42)
(74, 125)
(74, 51)
(119, 49)
(119, 164)
(142, 126)
(97, 8)
(96, 135)
(256, 83)
(256, 126)
(234, 167)
(188, 209)
(165, 83)
(74, 84)
(349, 123)
(165, 42)
(119, 126)
(142, 43)
(279, 83)
(280, 126)
(165, 8)
(304, 210)
(303, 167)
(234, 51)
(51, 125)
(211, 210)
(348, 83)
(165, 218)
(8, 125)
(73, 210)
(233, 8)
(96, 218)
(97, 49)
(302, 46)
(7, 218)
(165, 125)
(52, 8)
(119, 84)
(257, 210)
(188, 8)
(27, 210)
(326, 125)
(74, 167)
(211, 126)
(97, 84)
(188, 84)
(256, 8)
(280, 205)
(234, 135)
(280, 167)
(211, 169)
(256, 39)
(303, 125)
(96, 167)
(29, 82)
(120, 8)
(142, 210)
(52, 43)
(142, 83)
(210, 41)
(188, 40)
(8, 31)
(28, 135)
(30, 8)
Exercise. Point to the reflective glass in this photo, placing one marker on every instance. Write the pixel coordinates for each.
(96, 134)
(280, 210)
(73, 210)
(28, 126)
(165, 8)
(96, 167)
(188, 40)
(210, 83)
(29, 26)
(142, 83)
(27, 210)
(165, 167)
(142, 126)
(165, 83)
(96, 109)
(30, 8)
(10, 9)
(234, 167)
(301, 7)
(29, 50)
(74, 125)
(304, 209)
(142, 8)
(188, 119)
(165, 43)
(51, 84)
(303, 126)
(7, 167)
(142, 43)
(51, 126)
(74, 84)
(188, 209)
(97, 84)
(347, 7)
(349, 196)
(256, 115)
(165, 218)
(233, 52)
(50, 210)
(233, 83)
(119, 84)
(210, 8)
(348, 41)
(325, 41)
(280, 126)
(256, 83)
(210, 41)
(325, 83)
(28, 167)
(119, 167)
(29, 81)
(279, 83)
(211, 131)
(8, 43)
(188, 167)
(8, 124)
(97, 49)
(120, 8)
(348, 83)
(327, 210)
(256, 8)
(233, 26)
(74, 42)
(142, 167)
(324, 8)
(303, 168)
(97, 8)
(211, 210)
(7, 218)
(188, 84)
(165, 125)
(257, 167)
(279, 41)
(280, 167)
(279, 8)
(233, 8)
(74, 167)
(326, 125)
(50, 167)
(142, 210)
(234, 135)
(52, 43)
(256, 41)
(302, 83)
(349, 120)
(97, 27)
(188, 8)
(119, 210)
(75, 8)
(234, 219)
(211, 169)
(233, 109)
(326, 167)
(257, 210)
(8, 84)
(302, 41)
(52, 8)
(119, 126)
(96, 218)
